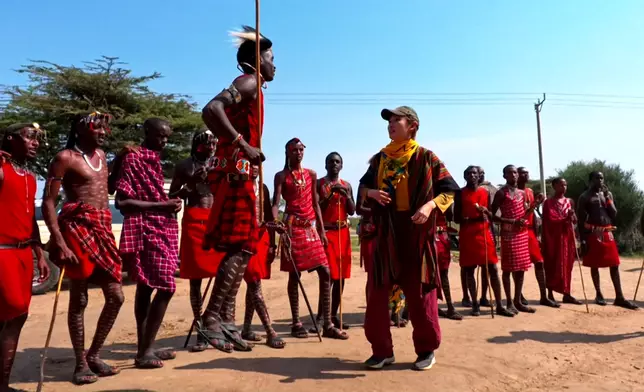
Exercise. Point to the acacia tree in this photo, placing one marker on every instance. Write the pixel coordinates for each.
(629, 199)
(56, 93)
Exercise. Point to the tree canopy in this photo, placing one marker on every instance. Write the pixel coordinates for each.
(629, 199)
(56, 93)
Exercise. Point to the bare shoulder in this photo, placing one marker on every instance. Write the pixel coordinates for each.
(64, 157)
(313, 174)
(246, 86)
(280, 175)
(183, 166)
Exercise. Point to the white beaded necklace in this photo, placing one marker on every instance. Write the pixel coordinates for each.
(100, 161)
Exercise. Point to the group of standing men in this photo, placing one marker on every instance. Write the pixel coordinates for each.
(223, 235)
(405, 198)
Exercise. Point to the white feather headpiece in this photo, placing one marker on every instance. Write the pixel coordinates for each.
(246, 34)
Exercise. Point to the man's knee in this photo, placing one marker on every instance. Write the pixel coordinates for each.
(116, 297)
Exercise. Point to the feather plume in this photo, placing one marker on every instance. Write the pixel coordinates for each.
(246, 34)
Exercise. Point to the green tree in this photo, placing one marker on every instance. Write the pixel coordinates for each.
(629, 199)
(56, 93)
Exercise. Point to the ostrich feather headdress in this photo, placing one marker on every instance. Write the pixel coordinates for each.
(247, 35)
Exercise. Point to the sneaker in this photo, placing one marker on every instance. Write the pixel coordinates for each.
(424, 361)
(378, 363)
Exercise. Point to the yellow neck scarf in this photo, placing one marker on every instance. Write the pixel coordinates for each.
(392, 171)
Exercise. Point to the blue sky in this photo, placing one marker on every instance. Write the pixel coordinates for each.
(417, 52)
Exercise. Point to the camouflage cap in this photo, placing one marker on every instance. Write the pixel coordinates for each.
(402, 111)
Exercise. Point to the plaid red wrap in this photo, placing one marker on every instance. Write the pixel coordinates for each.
(232, 222)
(149, 239)
(306, 248)
(88, 233)
(515, 250)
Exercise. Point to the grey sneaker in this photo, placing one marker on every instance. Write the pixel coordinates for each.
(424, 361)
(378, 363)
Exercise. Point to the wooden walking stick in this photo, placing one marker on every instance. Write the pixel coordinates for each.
(194, 322)
(51, 330)
(638, 281)
(487, 270)
(286, 242)
(260, 114)
(581, 273)
(340, 252)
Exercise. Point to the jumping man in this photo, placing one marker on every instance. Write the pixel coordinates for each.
(149, 241)
(303, 218)
(232, 226)
(82, 239)
(19, 235)
(596, 211)
(337, 204)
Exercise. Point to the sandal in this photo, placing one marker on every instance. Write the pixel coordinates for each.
(334, 333)
(148, 362)
(298, 331)
(336, 323)
(274, 341)
(251, 336)
(201, 345)
(101, 369)
(84, 377)
(165, 355)
(233, 336)
(216, 339)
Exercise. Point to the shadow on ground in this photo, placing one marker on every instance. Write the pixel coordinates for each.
(562, 337)
(354, 320)
(292, 369)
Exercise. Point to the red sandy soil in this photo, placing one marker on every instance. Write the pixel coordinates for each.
(554, 350)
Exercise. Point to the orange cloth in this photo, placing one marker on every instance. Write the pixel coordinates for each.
(17, 194)
(196, 263)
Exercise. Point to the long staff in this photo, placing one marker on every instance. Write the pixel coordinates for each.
(638, 281)
(286, 242)
(340, 252)
(51, 330)
(581, 274)
(194, 322)
(260, 114)
(486, 229)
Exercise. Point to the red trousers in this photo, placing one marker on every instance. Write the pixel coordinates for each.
(423, 309)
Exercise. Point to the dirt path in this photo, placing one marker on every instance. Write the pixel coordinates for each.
(552, 350)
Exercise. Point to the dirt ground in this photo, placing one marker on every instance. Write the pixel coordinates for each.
(554, 350)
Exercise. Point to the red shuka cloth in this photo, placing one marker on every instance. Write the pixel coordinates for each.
(306, 248)
(558, 241)
(258, 266)
(474, 235)
(515, 248)
(88, 234)
(533, 242)
(196, 263)
(339, 241)
(442, 242)
(17, 194)
(233, 220)
(601, 250)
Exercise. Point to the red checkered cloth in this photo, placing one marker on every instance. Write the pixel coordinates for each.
(149, 239)
(306, 248)
(91, 230)
(515, 250)
(232, 223)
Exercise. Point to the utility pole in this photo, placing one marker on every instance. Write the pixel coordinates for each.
(537, 109)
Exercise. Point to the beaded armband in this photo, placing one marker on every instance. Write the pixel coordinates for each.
(234, 93)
